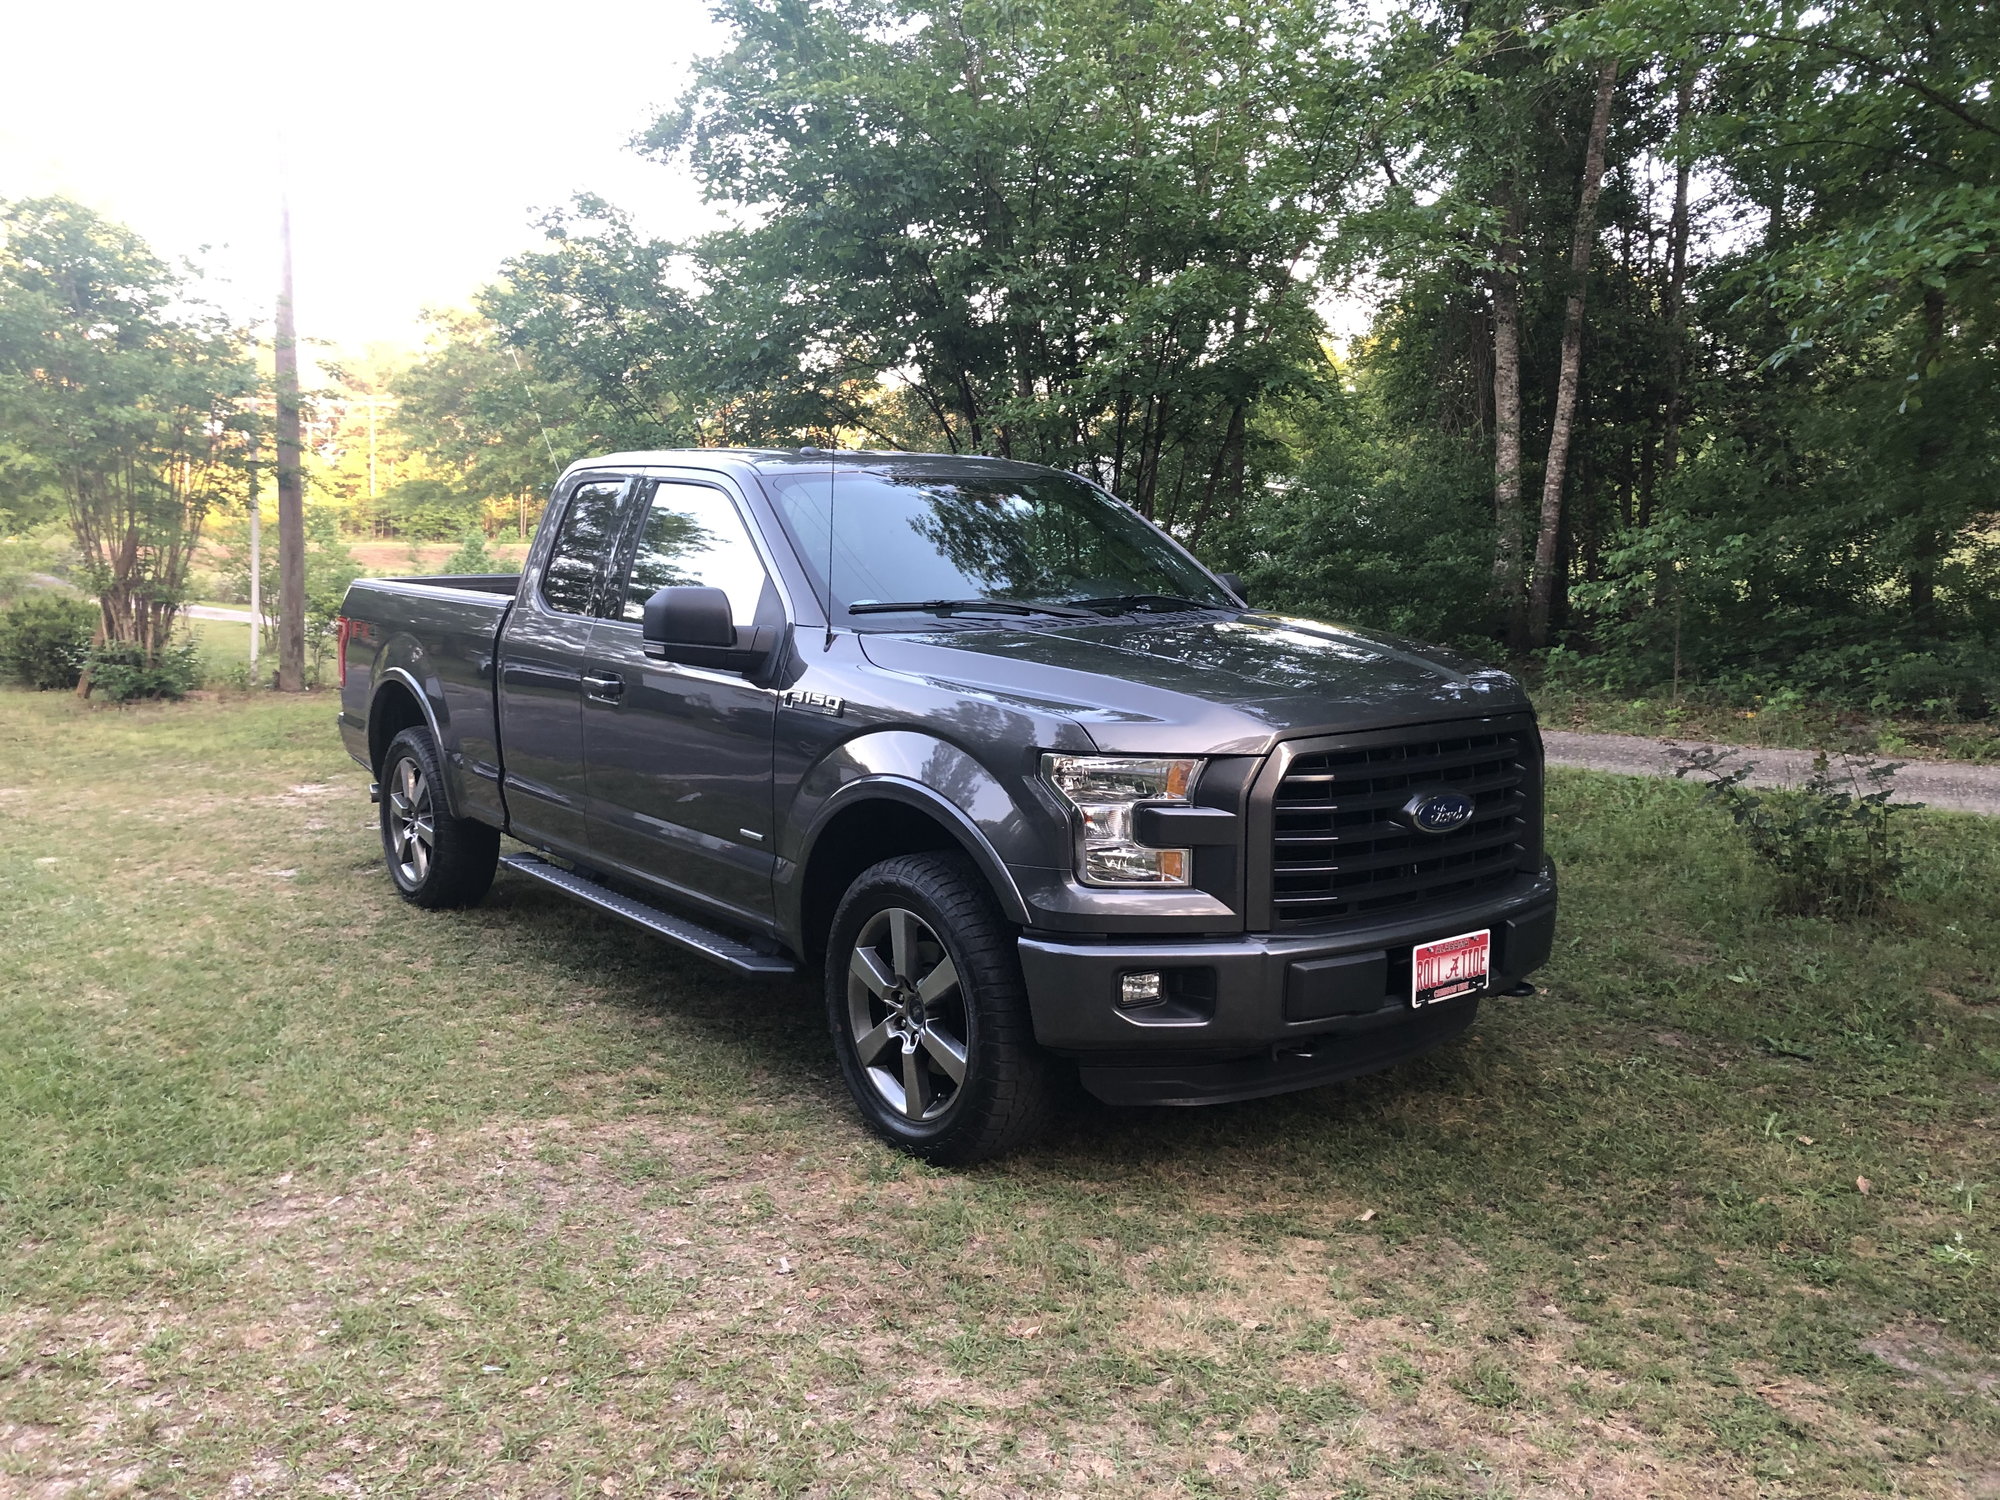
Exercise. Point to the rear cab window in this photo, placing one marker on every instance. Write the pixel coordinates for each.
(589, 529)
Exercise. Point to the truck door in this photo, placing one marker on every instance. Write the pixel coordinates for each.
(679, 757)
(542, 662)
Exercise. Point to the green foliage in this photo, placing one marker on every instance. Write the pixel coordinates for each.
(1103, 236)
(603, 350)
(123, 672)
(30, 559)
(1376, 527)
(1077, 234)
(430, 510)
(472, 555)
(330, 568)
(122, 394)
(477, 407)
(44, 639)
(1835, 843)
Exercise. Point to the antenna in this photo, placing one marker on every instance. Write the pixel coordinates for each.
(828, 644)
(533, 410)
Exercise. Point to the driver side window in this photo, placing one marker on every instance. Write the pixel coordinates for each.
(693, 535)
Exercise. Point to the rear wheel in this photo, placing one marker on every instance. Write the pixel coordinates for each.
(929, 1014)
(435, 859)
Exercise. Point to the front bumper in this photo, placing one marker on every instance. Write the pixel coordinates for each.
(1267, 1012)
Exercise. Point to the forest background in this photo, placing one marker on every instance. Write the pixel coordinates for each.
(1652, 344)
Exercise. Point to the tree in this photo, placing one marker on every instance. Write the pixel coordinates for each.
(1086, 235)
(487, 428)
(127, 395)
(1561, 426)
(1727, 308)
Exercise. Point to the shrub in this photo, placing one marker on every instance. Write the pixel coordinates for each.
(1836, 848)
(119, 671)
(472, 556)
(45, 638)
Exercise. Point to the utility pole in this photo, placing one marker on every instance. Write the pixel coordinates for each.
(291, 486)
(256, 562)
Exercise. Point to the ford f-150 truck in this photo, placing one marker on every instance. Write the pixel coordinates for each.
(1030, 786)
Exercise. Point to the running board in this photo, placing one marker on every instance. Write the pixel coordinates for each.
(731, 953)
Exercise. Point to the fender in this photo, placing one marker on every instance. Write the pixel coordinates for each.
(914, 769)
(916, 794)
(386, 675)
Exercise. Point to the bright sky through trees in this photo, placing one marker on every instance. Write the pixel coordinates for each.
(422, 136)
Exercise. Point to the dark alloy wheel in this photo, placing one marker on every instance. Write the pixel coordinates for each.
(906, 1015)
(435, 859)
(929, 1014)
(410, 820)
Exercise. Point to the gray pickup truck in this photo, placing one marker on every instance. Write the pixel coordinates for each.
(1031, 787)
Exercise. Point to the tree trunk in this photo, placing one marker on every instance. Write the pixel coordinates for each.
(1677, 256)
(1562, 428)
(1928, 547)
(291, 490)
(1507, 593)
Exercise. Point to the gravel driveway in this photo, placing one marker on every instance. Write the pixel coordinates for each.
(1947, 785)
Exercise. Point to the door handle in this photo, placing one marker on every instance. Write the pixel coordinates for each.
(604, 687)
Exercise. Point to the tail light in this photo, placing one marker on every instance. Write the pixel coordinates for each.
(342, 629)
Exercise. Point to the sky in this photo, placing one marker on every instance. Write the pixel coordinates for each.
(417, 140)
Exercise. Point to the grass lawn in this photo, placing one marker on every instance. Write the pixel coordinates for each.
(225, 647)
(307, 1192)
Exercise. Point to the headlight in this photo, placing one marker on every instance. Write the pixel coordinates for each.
(1104, 790)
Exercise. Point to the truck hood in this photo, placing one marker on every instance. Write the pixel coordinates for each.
(1204, 684)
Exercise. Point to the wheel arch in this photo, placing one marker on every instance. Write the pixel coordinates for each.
(878, 818)
(400, 703)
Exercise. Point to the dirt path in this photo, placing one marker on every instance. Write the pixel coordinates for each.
(1944, 785)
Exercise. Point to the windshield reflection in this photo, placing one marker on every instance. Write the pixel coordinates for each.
(1038, 540)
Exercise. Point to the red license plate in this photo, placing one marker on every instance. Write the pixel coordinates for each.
(1450, 966)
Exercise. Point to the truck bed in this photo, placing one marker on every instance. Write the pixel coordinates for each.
(439, 634)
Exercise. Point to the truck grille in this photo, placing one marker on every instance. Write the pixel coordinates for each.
(1338, 851)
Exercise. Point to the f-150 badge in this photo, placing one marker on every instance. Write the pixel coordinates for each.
(819, 703)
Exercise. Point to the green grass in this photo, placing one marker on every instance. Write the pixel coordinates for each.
(225, 647)
(305, 1191)
(1786, 722)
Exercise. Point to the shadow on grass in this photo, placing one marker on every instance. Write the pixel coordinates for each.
(775, 1031)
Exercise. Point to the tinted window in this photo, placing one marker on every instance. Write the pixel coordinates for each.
(693, 535)
(1042, 539)
(589, 527)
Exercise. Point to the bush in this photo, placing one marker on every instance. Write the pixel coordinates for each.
(472, 556)
(1835, 848)
(45, 638)
(119, 671)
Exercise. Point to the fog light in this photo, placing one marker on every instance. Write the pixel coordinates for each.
(1142, 988)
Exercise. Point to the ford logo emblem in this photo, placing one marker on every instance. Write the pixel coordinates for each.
(1438, 812)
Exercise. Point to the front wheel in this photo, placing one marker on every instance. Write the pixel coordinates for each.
(435, 859)
(930, 1016)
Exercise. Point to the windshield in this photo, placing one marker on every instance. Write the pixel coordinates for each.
(1041, 540)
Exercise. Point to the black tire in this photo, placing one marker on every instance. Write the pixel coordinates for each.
(454, 867)
(1007, 1094)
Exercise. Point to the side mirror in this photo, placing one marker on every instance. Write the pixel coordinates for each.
(687, 615)
(1234, 583)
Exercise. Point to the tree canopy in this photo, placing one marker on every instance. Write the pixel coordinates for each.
(1656, 337)
(123, 395)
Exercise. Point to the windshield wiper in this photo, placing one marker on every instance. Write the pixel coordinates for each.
(1156, 602)
(964, 606)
